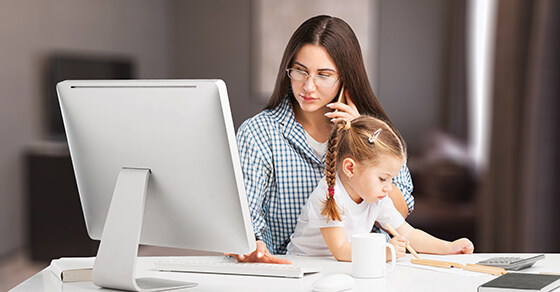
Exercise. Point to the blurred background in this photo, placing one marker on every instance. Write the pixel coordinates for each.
(472, 85)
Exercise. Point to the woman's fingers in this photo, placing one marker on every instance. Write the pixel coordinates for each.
(339, 115)
(260, 255)
(342, 111)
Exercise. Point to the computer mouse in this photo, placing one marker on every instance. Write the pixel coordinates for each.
(333, 283)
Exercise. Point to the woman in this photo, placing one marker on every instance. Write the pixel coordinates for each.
(282, 148)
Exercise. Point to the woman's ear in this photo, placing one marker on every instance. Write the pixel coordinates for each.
(348, 167)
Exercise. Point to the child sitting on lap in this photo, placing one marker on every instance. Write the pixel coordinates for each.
(362, 158)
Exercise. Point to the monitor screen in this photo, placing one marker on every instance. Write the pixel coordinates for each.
(160, 155)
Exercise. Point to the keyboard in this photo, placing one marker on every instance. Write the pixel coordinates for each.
(511, 263)
(235, 268)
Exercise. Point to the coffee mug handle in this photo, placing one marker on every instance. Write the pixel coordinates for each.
(393, 257)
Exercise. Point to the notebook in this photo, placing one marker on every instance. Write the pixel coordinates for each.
(513, 282)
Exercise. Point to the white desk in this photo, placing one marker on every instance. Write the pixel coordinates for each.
(401, 279)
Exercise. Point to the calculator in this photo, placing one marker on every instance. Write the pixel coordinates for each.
(511, 263)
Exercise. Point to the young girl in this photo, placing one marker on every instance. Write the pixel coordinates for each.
(363, 156)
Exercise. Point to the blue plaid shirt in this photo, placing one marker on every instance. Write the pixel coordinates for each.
(281, 171)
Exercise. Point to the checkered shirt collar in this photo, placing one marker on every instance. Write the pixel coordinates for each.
(291, 129)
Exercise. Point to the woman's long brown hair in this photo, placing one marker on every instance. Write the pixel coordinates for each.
(340, 41)
(338, 38)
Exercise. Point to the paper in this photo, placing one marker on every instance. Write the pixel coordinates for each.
(462, 259)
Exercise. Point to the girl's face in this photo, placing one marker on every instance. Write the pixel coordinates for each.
(316, 62)
(371, 183)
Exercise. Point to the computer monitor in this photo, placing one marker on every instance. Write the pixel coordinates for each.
(156, 163)
(67, 65)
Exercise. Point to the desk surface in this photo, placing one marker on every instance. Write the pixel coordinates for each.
(403, 278)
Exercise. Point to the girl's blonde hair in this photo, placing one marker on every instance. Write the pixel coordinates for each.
(366, 140)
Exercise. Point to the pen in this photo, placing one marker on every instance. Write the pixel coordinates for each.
(438, 264)
(496, 271)
(395, 233)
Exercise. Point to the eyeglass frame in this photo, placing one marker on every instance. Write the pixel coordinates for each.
(312, 77)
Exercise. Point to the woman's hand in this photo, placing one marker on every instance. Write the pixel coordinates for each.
(343, 111)
(462, 245)
(260, 255)
(399, 242)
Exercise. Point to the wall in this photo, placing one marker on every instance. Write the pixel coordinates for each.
(213, 40)
(412, 65)
(412, 51)
(29, 30)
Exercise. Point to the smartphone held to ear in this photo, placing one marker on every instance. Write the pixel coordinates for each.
(341, 96)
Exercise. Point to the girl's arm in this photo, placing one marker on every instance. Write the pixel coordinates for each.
(426, 243)
(338, 244)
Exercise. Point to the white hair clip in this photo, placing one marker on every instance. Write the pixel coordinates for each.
(374, 136)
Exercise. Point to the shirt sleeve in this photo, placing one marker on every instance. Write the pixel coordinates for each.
(256, 174)
(316, 203)
(404, 182)
(389, 214)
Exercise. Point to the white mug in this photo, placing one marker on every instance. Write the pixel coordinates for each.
(368, 255)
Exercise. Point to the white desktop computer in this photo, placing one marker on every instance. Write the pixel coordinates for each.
(156, 163)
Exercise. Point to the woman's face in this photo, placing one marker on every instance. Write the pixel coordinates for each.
(316, 62)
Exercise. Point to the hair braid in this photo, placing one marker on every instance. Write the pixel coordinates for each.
(330, 209)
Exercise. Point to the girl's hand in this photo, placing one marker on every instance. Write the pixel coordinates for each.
(260, 255)
(342, 111)
(462, 245)
(399, 242)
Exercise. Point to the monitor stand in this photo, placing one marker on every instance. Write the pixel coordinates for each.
(115, 264)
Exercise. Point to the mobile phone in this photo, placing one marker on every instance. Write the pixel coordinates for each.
(341, 96)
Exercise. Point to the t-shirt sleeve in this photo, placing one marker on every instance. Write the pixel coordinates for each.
(389, 214)
(316, 203)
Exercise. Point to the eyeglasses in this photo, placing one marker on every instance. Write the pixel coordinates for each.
(320, 80)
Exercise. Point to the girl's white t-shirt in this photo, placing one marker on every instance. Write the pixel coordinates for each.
(356, 218)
